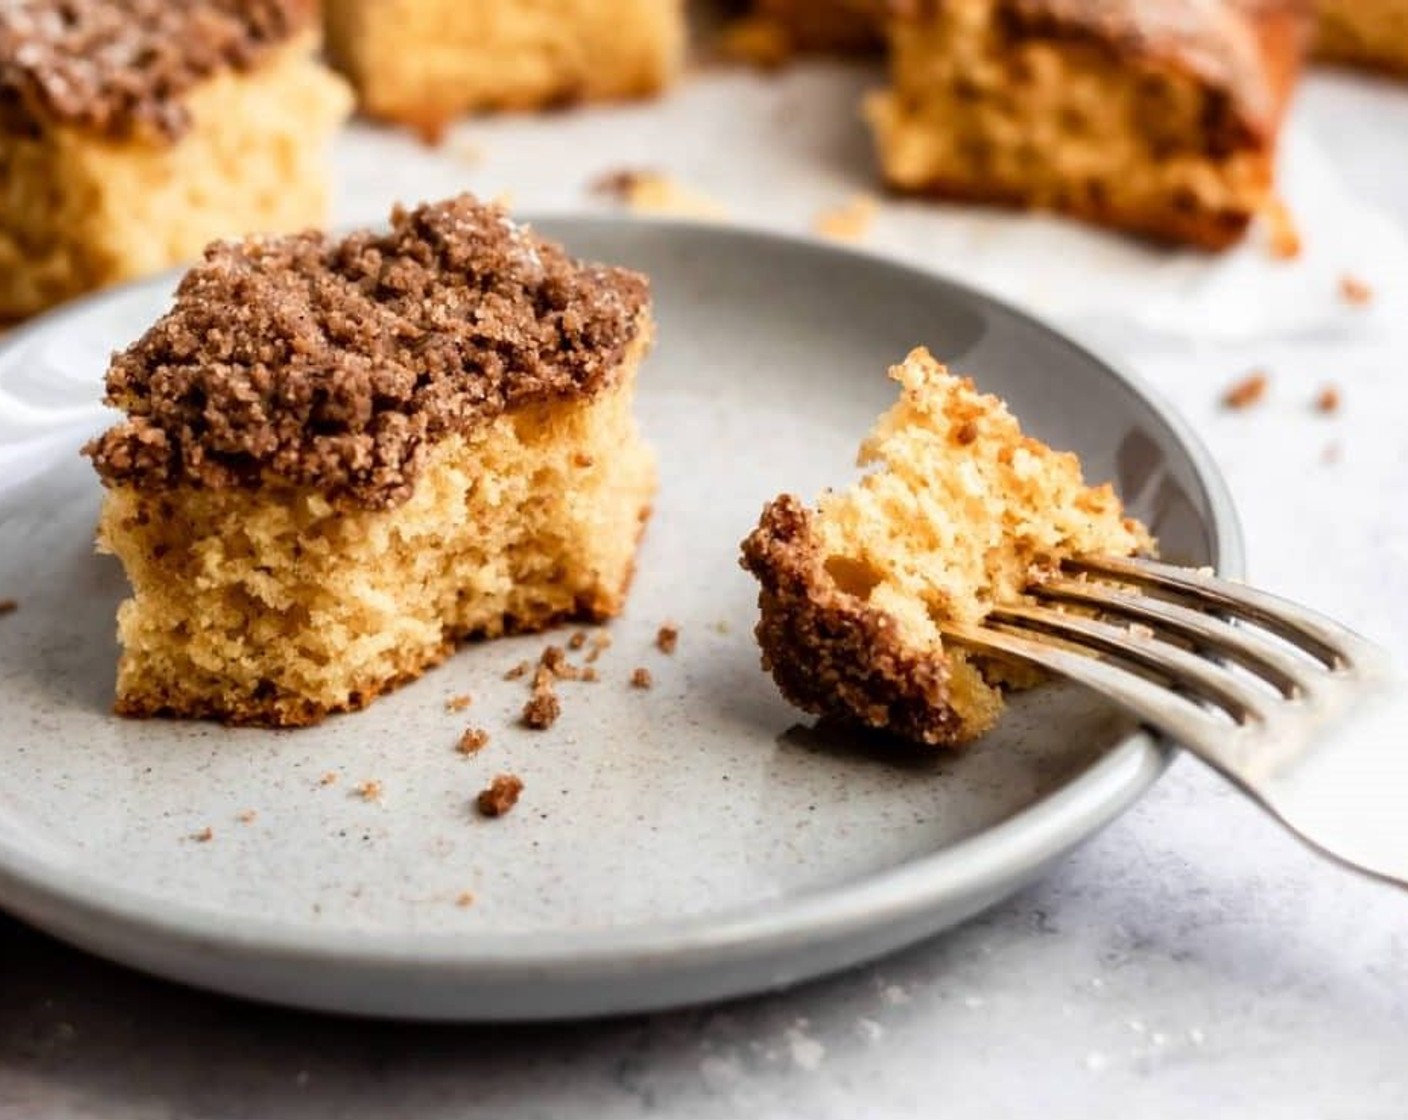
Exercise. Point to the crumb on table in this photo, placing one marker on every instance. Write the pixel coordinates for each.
(204, 836)
(328, 778)
(1246, 392)
(850, 221)
(667, 639)
(651, 192)
(474, 740)
(500, 796)
(519, 670)
(601, 642)
(247, 817)
(1354, 291)
(590, 675)
(1285, 240)
(464, 899)
(577, 640)
(542, 709)
(459, 703)
(370, 790)
(1328, 400)
(641, 678)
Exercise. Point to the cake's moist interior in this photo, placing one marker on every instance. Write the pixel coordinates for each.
(958, 512)
(1066, 106)
(338, 363)
(122, 67)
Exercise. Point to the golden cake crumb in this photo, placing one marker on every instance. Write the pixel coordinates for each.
(1354, 291)
(247, 817)
(667, 639)
(1285, 240)
(370, 790)
(328, 779)
(8, 606)
(204, 836)
(543, 707)
(459, 703)
(474, 740)
(851, 221)
(652, 192)
(601, 642)
(464, 899)
(641, 678)
(590, 675)
(1328, 400)
(518, 671)
(577, 640)
(500, 796)
(1247, 392)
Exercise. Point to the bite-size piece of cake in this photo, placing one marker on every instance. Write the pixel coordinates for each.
(343, 455)
(1368, 33)
(958, 512)
(133, 132)
(1154, 116)
(425, 62)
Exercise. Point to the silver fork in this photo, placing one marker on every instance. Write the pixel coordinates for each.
(1302, 713)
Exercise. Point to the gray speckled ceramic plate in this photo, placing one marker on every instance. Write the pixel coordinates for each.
(691, 842)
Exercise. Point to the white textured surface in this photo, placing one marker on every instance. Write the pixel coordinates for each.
(1190, 961)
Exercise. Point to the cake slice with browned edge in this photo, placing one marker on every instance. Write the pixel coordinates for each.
(134, 132)
(958, 511)
(342, 456)
(1155, 116)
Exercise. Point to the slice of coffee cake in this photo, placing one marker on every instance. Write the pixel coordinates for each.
(959, 511)
(342, 456)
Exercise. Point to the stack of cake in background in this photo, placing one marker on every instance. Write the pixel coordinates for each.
(133, 132)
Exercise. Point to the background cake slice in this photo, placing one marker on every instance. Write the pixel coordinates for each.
(958, 511)
(1156, 116)
(1370, 33)
(133, 132)
(343, 456)
(426, 62)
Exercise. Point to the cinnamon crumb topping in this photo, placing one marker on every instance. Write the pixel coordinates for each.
(119, 67)
(500, 796)
(543, 708)
(337, 363)
(459, 703)
(474, 740)
(641, 678)
(1354, 291)
(667, 639)
(1246, 392)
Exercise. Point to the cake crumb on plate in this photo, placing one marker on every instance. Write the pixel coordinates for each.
(500, 796)
(577, 640)
(641, 678)
(542, 709)
(1328, 400)
(667, 639)
(328, 778)
(247, 817)
(464, 899)
(1285, 239)
(459, 703)
(518, 671)
(370, 790)
(204, 836)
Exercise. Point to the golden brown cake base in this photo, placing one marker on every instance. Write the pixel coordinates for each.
(1368, 33)
(425, 62)
(271, 606)
(82, 211)
(1116, 119)
(959, 511)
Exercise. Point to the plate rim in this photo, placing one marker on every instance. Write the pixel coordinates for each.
(79, 906)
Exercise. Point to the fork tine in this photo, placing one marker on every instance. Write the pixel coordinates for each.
(1289, 673)
(1337, 646)
(1197, 674)
(1175, 716)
